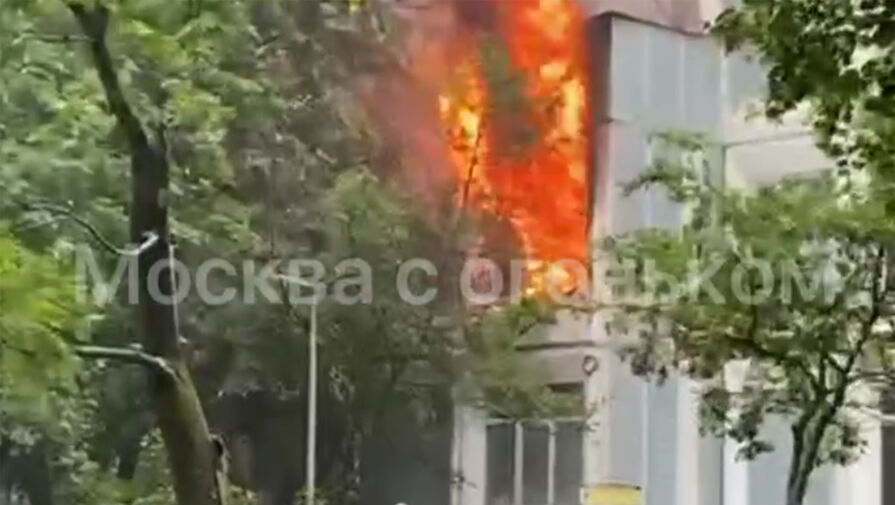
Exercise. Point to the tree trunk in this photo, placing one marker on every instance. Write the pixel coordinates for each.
(796, 482)
(128, 453)
(804, 462)
(191, 455)
(808, 434)
(796, 487)
(27, 470)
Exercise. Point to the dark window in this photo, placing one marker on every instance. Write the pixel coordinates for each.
(568, 469)
(535, 463)
(499, 484)
(566, 438)
(888, 450)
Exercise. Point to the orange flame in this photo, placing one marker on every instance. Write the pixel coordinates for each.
(542, 189)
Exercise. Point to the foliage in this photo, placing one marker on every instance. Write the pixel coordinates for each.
(499, 380)
(376, 224)
(799, 298)
(88, 482)
(188, 71)
(37, 311)
(39, 318)
(60, 144)
(835, 57)
(249, 103)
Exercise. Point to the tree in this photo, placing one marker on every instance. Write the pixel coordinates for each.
(801, 299)
(62, 116)
(176, 403)
(833, 57)
(223, 124)
(38, 367)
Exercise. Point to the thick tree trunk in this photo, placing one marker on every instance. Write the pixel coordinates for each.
(191, 455)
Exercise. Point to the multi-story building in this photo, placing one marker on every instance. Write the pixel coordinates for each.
(655, 69)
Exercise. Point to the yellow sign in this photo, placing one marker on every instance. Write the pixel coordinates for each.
(612, 494)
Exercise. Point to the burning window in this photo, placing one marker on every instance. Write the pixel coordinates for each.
(515, 111)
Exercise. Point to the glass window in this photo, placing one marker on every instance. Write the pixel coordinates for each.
(500, 454)
(535, 463)
(547, 446)
(568, 468)
(888, 450)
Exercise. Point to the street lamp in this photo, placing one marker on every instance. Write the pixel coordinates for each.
(311, 460)
(311, 447)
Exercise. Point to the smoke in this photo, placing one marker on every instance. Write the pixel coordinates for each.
(401, 99)
(476, 14)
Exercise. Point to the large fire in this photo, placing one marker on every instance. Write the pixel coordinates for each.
(525, 158)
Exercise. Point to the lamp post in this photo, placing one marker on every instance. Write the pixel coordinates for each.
(311, 441)
(311, 459)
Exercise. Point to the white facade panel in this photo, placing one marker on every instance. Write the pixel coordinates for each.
(664, 73)
(690, 87)
(468, 458)
(626, 144)
(663, 443)
(702, 69)
(622, 424)
(628, 82)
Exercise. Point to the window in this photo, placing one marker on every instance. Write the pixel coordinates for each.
(501, 456)
(888, 450)
(546, 470)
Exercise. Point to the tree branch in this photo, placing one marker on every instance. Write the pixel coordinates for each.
(84, 223)
(55, 38)
(878, 291)
(134, 356)
(877, 298)
(90, 228)
(95, 22)
(4, 344)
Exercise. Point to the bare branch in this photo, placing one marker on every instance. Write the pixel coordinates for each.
(91, 228)
(55, 38)
(154, 363)
(84, 223)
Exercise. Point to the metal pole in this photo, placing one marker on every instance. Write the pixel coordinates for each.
(551, 462)
(310, 462)
(518, 462)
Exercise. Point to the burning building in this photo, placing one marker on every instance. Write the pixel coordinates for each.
(603, 75)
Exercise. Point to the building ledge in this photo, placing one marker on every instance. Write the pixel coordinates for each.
(684, 16)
